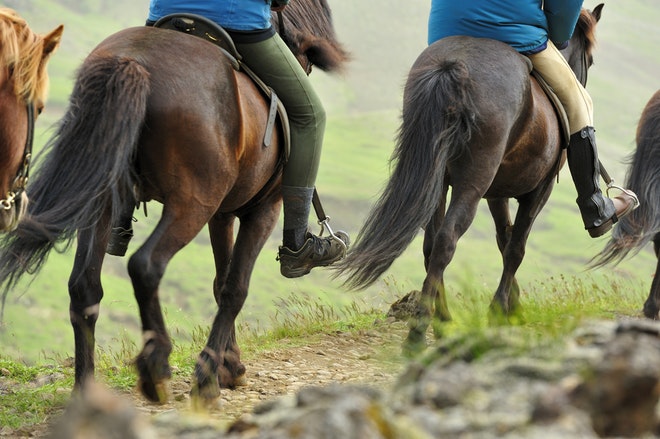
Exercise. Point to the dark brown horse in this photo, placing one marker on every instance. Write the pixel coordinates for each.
(23, 87)
(642, 226)
(159, 115)
(475, 120)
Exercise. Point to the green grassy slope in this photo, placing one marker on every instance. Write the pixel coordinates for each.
(363, 106)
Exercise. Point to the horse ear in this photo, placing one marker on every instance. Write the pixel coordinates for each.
(597, 11)
(52, 40)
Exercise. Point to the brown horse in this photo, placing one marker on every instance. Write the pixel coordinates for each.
(23, 88)
(475, 120)
(156, 114)
(642, 226)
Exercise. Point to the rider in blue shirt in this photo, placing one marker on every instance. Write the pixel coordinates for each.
(264, 52)
(536, 29)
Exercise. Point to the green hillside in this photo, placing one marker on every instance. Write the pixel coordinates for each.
(363, 106)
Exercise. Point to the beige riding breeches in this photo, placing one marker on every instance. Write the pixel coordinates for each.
(553, 67)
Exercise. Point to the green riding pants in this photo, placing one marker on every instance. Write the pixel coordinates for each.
(276, 65)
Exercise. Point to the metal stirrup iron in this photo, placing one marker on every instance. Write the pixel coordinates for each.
(609, 181)
(324, 219)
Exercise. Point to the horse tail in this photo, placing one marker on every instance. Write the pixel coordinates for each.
(438, 120)
(85, 170)
(634, 231)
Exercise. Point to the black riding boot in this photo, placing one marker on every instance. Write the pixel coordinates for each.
(598, 212)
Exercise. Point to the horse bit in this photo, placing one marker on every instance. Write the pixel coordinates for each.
(21, 179)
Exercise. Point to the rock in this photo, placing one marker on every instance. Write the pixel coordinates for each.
(602, 381)
(98, 413)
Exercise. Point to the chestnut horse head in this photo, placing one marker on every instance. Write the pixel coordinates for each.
(23, 89)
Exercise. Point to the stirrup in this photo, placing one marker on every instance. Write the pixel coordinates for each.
(325, 224)
(631, 194)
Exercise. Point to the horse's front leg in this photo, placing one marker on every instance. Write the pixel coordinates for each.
(505, 306)
(652, 304)
(219, 363)
(85, 293)
(506, 296)
(212, 373)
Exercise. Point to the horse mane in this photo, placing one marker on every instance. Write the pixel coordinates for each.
(21, 53)
(587, 26)
(308, 30)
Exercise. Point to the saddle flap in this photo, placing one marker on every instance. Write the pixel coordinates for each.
(556, 103)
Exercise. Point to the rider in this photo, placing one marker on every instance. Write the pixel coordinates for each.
(264, 52)
(538, 29)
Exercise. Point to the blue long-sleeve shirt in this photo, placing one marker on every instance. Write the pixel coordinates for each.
(240, 15)
(524, 24)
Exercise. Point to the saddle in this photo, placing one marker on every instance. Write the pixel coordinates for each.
(202, 27)
(554, 100)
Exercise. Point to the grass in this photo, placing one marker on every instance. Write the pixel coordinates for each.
(363, 109)
(553, 308)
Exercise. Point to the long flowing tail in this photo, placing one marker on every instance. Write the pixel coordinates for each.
(438, 120)
(634, 231)
(85, 169)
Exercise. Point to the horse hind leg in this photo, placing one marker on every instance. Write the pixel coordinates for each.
(440, 307)
(179, 224)
(219, 364)
(458, 218)
(86, 292)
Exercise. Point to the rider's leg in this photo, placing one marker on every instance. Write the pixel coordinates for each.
(598, 212)
(274, 63)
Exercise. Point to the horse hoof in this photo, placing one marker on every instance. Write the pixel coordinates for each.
(412, 348)
(228, 381)
(240, 381)
(154, 392)
(204, 397)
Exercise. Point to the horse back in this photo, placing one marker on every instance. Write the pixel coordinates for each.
(516, 130)
(204, 124)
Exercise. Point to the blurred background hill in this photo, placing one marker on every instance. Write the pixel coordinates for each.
(363, 106)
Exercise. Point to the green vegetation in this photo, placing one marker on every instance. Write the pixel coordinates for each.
(363, 106)
(553, 308)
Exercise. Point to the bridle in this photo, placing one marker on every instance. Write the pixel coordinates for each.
(21, 179)
(584, 68)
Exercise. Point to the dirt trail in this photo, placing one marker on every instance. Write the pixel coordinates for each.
(368, 357)
(371, 357)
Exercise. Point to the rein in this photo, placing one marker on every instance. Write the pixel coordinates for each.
(584, 70)
(609, 181)
(21, 179)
